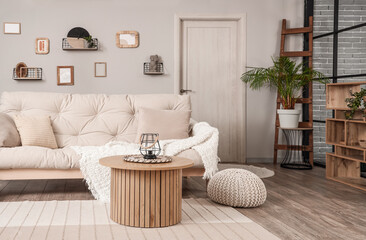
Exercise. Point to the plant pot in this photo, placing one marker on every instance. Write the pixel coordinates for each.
(289, 118)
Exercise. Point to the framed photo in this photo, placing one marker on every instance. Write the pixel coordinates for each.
(42, 45)
(127, 39)
(12, 28)
(65, 75)
(100, 69)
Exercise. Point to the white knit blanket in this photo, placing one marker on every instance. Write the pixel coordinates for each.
(204, 140)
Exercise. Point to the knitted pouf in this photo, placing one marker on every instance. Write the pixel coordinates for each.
(237, 188)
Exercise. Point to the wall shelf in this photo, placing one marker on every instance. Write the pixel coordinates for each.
(344, 165)
(67, 47)
(32, 73)
(160, 69)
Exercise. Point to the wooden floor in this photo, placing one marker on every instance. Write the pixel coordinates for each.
(300, 204)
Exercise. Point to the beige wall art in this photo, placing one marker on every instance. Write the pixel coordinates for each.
(65, 75)
(11, 28)
(42, 46)
(127, 39)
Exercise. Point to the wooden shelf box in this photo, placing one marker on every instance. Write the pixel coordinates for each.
(336, 93)
(350, 153)
(336, 131)
(344, 165)
(344, 171)
(356, 131)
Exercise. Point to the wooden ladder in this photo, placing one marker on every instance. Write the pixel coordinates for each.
(308, 126)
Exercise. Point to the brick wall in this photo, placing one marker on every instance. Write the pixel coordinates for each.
(351, 57)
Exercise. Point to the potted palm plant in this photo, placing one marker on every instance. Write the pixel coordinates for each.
(288, 78)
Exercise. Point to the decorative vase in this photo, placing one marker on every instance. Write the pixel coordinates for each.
(289, 118)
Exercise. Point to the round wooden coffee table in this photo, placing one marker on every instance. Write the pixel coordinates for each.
(146, 195)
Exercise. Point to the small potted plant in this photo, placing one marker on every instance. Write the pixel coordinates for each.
(89, 41)
(357, 102)
(288, 78)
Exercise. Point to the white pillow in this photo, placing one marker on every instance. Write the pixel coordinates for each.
(36, 131)
(9, 136)
(170, 124)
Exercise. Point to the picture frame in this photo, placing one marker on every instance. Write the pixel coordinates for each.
(65, 75)
(42, 45)
(127, 39)
(100, 69)
(12, 28)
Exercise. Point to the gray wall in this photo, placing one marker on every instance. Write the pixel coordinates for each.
(351, 57)
(154, 21)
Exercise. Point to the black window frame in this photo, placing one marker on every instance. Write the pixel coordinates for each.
(308, 12)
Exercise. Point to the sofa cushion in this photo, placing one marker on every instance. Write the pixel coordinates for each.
(169, 124)
(194, 156)
(89, 119)
(63, 158)
(9, 136)
(35, 131)
(38, 157)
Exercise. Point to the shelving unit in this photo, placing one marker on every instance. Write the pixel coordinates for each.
(66, 46)
(28, 73)
(343, 165)
(160, 69)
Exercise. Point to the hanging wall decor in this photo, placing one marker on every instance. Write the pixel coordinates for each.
(154, 67)
(42, 45)
(127, 39)
(79, 39)
(12, 28)
(23, 72)
(65, 75)
(100, 69)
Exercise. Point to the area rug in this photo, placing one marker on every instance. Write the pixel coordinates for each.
(201, 219)
(259, 171)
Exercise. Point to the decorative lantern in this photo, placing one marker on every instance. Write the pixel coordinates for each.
(149, 145)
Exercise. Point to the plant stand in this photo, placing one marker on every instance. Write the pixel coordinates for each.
(294, 158)
(306, 101)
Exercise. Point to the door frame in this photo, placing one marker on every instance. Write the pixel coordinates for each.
(241, 20)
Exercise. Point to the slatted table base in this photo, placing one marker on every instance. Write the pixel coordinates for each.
(146, 198)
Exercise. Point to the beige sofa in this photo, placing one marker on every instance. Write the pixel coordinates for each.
(79, 120)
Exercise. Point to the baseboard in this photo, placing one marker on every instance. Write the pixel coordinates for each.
(259, 160)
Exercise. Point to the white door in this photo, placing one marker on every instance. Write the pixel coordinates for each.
(211, 63)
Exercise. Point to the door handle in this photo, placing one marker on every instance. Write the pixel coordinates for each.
(185, 91)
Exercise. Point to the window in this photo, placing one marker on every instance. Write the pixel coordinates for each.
(339, 52)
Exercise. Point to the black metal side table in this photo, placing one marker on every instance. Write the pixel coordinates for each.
(294, 158)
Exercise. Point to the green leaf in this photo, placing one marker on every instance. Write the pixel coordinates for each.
(286, 76)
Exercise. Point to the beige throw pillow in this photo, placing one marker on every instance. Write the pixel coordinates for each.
(170, 124)
(9, 136)
(36, 131)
